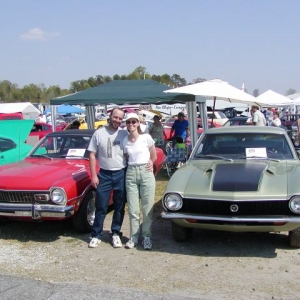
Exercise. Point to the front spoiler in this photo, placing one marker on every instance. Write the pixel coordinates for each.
(35, 211)
(240, 219)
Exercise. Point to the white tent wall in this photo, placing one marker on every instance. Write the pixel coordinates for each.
(28, 110)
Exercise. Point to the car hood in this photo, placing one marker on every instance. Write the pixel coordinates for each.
(40, 173)
(237, 180)
(17, 130)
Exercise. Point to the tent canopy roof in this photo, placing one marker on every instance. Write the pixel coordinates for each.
(124, 91)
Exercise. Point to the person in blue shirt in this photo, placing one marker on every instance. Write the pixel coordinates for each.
(178, 128)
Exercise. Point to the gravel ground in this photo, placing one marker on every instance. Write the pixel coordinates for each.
(213, 265)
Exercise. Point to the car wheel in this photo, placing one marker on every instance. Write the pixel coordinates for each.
(84, 218)
(181, 234)
(294, 237)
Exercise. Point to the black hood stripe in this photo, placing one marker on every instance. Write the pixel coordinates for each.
(237, 177)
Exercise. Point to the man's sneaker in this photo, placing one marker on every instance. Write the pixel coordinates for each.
(147, 243)
(116, 241)
(94, 242)
(133, 241)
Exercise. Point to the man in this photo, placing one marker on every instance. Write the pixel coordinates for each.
(179, 127)
(258, 118)
(74, 125)
(107, 145)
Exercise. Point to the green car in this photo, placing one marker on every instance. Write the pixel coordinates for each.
(13, 134)
(239, 179)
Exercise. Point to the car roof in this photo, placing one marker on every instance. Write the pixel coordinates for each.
(246, 129)
(78, 132)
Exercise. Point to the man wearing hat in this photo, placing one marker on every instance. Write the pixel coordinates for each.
(178, 128)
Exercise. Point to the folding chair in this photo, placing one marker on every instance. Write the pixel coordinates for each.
(174, 158)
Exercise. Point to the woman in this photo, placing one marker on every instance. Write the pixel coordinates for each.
(157, 131)
(140, 182)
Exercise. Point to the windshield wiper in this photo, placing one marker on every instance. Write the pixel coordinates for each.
(258, 157)
(214, 156)
(73, 156)
(41, 155)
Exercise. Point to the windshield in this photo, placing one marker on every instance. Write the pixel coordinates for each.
(241, 145)
(65, 146)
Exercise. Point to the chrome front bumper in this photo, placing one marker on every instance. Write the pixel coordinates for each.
(35, 211)
(240, 219)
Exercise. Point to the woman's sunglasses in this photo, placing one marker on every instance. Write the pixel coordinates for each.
(130, 122)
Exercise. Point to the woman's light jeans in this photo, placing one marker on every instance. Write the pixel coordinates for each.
(140, 186)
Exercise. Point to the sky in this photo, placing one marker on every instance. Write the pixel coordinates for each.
(55, 42)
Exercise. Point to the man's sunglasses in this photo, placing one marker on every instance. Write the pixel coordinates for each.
(130, 122)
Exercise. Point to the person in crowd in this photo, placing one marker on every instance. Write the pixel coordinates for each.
(107, 145)
(178, 128)
(49, 119)
(157, 132)
(276, 120)
(41, 118)
(143, 124)
(140, 182)
(188, 141)
(269, 116)
(258, 118)
(179, 143)
(74, 125)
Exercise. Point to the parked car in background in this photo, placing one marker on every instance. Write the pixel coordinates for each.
(238, 121)
(53, 182)
(98, 123)
(13, 134)
(40, 129)
(288, 120)
(240, 179)
(11, 116)
(218, 117)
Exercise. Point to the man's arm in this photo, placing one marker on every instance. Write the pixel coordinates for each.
(93, 168)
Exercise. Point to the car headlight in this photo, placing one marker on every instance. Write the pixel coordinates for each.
(173, 201)
(295, 204)
(58, 196)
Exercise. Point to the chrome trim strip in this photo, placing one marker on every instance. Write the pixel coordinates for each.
(35, 211)
(261, 219)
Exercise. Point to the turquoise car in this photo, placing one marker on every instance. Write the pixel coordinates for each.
(13, 135)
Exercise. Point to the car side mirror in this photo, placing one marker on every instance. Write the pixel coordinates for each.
(298, 154)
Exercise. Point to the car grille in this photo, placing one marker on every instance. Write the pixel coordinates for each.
(214, 207)
(18, 197)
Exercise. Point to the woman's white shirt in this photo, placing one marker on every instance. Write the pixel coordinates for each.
(138, 152)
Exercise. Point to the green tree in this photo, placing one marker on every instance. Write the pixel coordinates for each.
(290, 92)
(255, 92)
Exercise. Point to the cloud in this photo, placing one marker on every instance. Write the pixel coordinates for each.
(37, 34)
(65, 58)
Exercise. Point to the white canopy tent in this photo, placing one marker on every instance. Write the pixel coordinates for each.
(28, 110)
(216, 89)
(271, 99)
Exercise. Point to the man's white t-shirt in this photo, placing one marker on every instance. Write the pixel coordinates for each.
(259, 118)
(109, 146)
(138, 151)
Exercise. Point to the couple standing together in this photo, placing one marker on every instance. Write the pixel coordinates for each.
(126, 159)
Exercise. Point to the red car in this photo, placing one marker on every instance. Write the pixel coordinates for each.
(53, 182)
(40, 129)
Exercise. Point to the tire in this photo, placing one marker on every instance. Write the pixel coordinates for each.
(181, 234)
(294, 238)
(84, 218)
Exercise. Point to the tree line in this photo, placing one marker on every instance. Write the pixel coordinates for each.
(10, 92)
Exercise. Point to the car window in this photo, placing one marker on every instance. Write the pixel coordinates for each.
(63, 147)
(6, 144)
(238, 145)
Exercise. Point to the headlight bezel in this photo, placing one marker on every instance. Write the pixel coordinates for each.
(58, 196)
(295, 202)
(173, 201)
